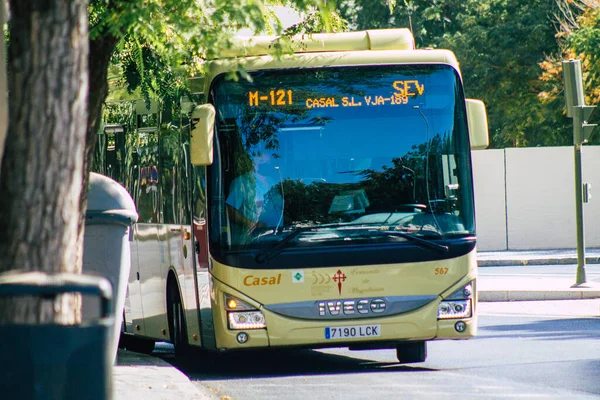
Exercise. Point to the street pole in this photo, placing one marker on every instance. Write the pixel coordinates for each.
(579, 217)
(580, 113)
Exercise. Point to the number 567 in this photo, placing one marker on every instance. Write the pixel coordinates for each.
(440, 271)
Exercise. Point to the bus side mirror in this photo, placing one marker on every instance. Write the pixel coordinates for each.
(478, 126)
(202, 132)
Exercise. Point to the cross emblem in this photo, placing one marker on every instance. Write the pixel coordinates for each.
(339, 277)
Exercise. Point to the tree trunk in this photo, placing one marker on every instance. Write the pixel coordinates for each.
(3, 92)
(43, 164)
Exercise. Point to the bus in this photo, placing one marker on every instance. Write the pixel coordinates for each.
(317, 199)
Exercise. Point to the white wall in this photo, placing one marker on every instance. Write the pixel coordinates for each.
(525, 198)
(591, 210)
(490, 199)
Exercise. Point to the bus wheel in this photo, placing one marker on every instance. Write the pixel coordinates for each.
(177, 326)
(411, 352)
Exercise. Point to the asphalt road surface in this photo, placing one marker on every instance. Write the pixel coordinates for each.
(539, 350)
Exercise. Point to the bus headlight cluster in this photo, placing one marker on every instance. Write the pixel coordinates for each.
(454, 309)
(458, 305)
(242, 315)
(246, 320)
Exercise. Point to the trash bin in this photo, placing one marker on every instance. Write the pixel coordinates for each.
(50, 361)
(106, 251)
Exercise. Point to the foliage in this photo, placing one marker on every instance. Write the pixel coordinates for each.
(166, 41)
(579, 38)
(509, 51)
(500, 44)
(500, 57)
(584, 43)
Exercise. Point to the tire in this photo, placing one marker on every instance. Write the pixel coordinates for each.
(136, 344)
(411, 352)
(122, 341)
(177, 325)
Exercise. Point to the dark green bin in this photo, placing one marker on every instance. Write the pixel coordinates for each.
(49, 361)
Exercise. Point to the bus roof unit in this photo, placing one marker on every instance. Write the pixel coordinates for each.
(384, 39)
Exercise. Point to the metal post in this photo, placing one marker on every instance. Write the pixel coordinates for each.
(579, 216)
(576, 109)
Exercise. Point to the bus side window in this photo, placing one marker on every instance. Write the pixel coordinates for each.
(170, 149)
(199, 215)
(148, 191)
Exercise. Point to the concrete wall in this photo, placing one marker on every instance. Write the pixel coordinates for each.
(490, 199)
(525, 198)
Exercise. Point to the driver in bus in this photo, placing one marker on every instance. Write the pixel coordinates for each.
(255, 199)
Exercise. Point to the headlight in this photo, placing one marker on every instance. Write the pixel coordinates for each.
(242, 315)
(454, 309)
(246, 320)
(458, 305)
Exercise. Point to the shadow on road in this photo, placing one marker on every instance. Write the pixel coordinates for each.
(275, 363)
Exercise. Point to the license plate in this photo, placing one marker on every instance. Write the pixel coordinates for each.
(356, 331)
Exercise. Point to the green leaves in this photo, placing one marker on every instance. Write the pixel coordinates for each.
(165, 41)
(500, 45)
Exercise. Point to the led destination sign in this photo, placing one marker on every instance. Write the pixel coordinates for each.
(402, 91)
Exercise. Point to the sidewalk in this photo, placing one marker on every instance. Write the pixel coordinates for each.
(534, 287)
(534, 257)
(142, 377)
(138, 376)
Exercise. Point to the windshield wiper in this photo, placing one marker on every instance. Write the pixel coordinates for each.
(420, 241)
(269, 253)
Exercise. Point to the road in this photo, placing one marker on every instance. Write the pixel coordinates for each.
(547, 350)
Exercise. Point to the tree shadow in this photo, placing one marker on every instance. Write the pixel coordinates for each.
(204, 365)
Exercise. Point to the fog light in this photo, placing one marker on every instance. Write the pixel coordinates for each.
(460, 326)
(242, 337)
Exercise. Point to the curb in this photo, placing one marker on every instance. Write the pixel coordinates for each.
(511, 262)
(537, 295)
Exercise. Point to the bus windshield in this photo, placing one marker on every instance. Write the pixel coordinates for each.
(342, 153)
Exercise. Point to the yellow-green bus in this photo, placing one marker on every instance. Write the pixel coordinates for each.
(321, 199)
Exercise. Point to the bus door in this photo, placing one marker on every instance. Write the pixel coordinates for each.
(152, 249)
(176, 178)
(132, 312)
(200, 228)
